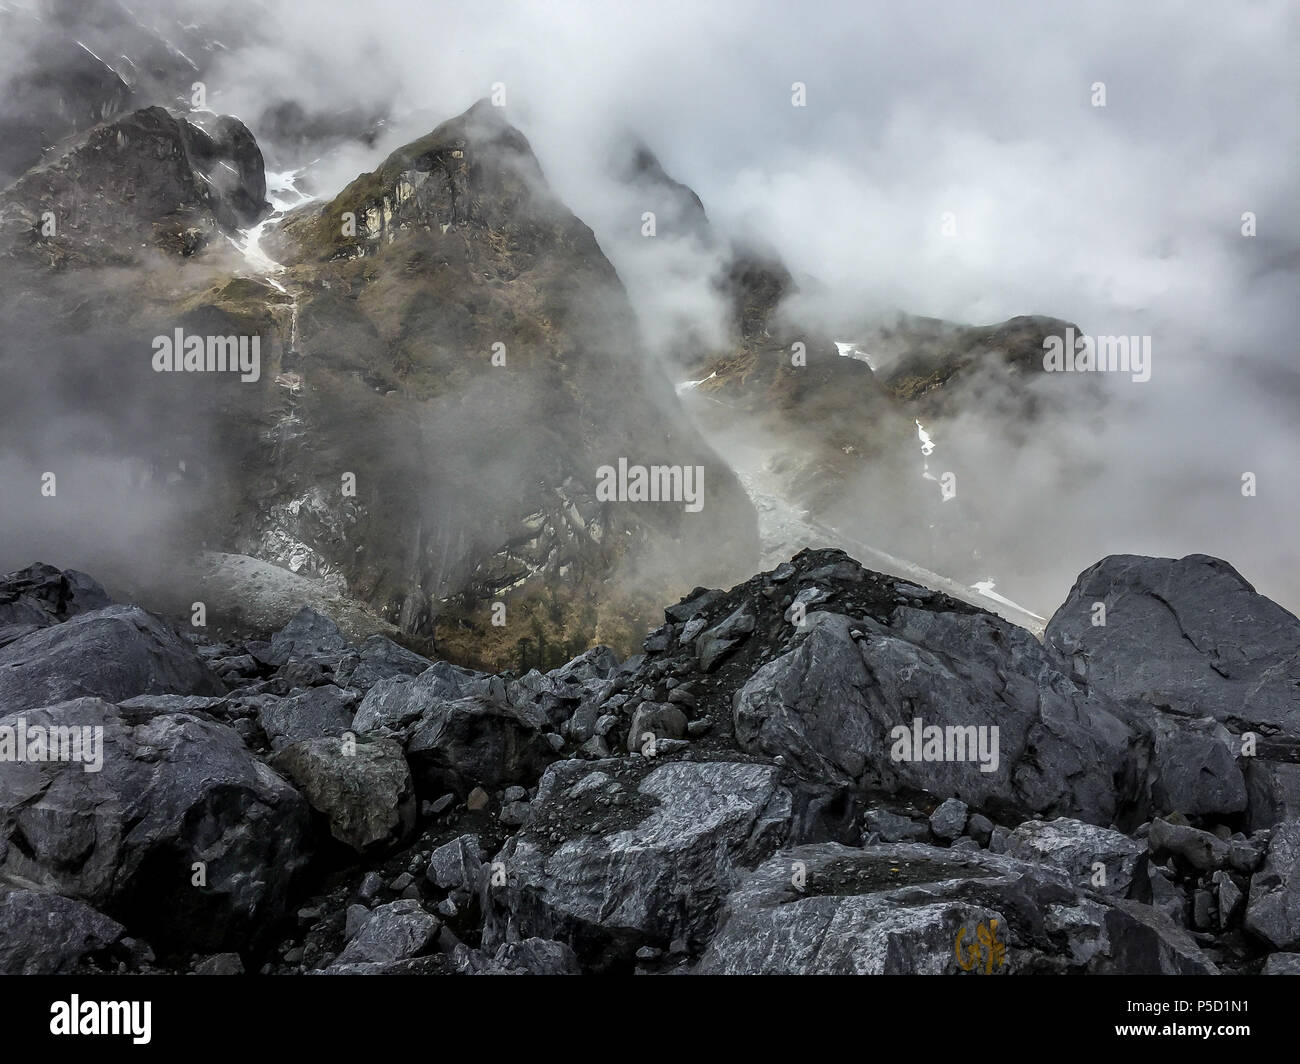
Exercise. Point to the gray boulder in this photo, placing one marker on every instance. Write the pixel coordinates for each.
(1193, 768)
(308, 635)
(381, 659)
(907, 909)
(112, 653)
(1273, 911)
(532, 956)
(1191, 635)
(949, 819)
(890, 827)
(41, 595)
(1195, 848)
(396, 702)
(362, 786)
(720, 640)
(394, 932)
(458, 745)
(830, 706)
(1077, 848)
(312, 714)
(45, 934)
(622, 854)
(182, 834)
(456, 865)
(658, 719)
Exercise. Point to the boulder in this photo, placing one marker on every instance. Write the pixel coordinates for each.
(1189, 634)
(835, 706)
(1273, 911)
(394, 703)
(113, 653)
(41, 595)
(457, 745)
(315, 713)
(907, 909)
(1077, 849)
(382, 659)
(394, 932)
(362, 786)
(45, 934)
(616, 856)
(182, 834)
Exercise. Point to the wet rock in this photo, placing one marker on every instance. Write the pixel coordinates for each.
(395, 703)
(394, 932)
(42, 595)
(659, 720)
(949, 820)
(220, 964)
(1193, 769)
(1190, 634)
(890, 827)
(457, 745)
(832, 704)
(1198, 849)
(456, 864)
(382, 659)
(719, 641)
(1282, 964)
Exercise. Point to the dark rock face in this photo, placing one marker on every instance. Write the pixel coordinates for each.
(430, 317)
(419, 264)
(57, 88)
(754, 810)
(147, 172)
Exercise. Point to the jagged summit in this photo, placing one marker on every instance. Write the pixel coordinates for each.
(474, 169)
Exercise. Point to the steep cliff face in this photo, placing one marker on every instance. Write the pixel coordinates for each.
(448, 363)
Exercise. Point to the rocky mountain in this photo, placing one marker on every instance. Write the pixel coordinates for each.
(742, 796)
(447, 363)
(831, 431)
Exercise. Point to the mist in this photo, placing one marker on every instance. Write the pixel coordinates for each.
(950, 161)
